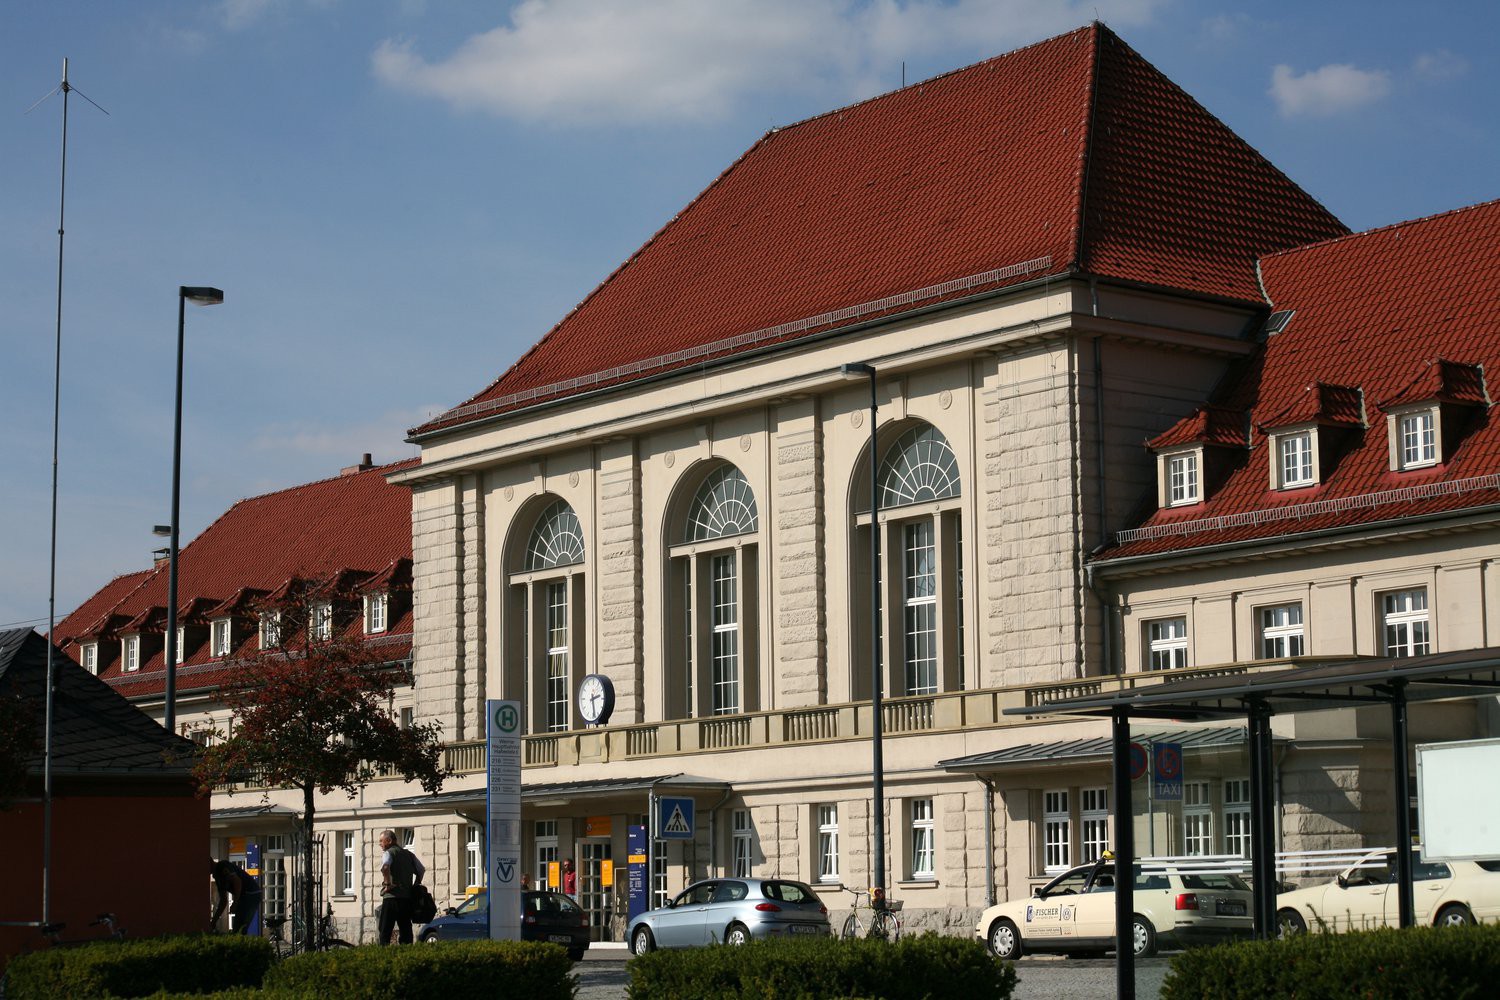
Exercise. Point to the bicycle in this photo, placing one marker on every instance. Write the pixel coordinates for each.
(324, 936)
(53, 933)
(884, 924)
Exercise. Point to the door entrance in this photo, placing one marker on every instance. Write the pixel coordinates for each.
(596, 898)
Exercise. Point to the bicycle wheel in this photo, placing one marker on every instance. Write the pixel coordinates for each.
(852, 927)
(885, 926)
(333, 943)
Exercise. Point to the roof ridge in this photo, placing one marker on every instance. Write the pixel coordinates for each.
(1388, 227)
(415, 460)
(1081, 188)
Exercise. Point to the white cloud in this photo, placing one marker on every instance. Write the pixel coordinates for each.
(1327, 90)
(237, 14)
(1440, 65)
(1227, 27)
(381, 434)
(601, 61)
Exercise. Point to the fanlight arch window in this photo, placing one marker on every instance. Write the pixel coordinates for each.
(545, 633)
(922, 558)
(712, 600)
(557, 539)
(724, 506)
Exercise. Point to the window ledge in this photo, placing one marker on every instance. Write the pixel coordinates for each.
(345, 898)
(918, 883)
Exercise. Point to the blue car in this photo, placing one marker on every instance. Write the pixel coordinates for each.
(545, 916)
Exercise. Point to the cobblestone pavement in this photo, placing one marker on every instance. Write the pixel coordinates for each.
(602, 976)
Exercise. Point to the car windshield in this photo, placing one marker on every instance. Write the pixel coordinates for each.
(550, 902)
(474, 904)
(788, 892)
(1067, 884)
(1226, 880)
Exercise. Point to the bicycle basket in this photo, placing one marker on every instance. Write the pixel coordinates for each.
(892, 905)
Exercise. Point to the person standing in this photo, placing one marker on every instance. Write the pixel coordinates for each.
(569, 880)
(232, 880)
(400, 869)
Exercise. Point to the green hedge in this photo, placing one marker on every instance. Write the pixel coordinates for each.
(200, 963)
(1441, 963)
(913, 968)
(534, 970)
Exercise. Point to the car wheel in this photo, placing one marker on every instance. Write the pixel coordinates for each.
(1289, 923)
(1457, 915)
(1005, 940)
(1143, 936)
(431, 937)
(738, 934)
(575, 956)
(641, 942)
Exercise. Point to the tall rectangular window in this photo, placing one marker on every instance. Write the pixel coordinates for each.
(1197, 818)
(923, 840)
(1094, 819)
(557, 655)
(1295, 451)
(726, 634)
(181, 643)
(1182, 478)
(90, 655)
(1418, 439)
(219, 633)
(958, 549)
(376, 608)
(828, 843)
(320, 622)
(1057, 830)
(1167, 643)
(690, 656)
(346, 877)
(273, 875)
(1237, 816)
(270, 629)
(659, 895)
(1281, 631)
(1406, 623)
(545, 834)
(920, 596)
(473, 857)
(131, 658)
(743, 854)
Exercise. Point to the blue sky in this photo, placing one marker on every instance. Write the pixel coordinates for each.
(399, 196)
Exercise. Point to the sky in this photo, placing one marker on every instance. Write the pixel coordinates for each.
(398, 197)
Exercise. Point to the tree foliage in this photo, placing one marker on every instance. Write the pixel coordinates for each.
(20, 739)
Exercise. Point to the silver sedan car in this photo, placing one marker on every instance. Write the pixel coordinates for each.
(731, 911)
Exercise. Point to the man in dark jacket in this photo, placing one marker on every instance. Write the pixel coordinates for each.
(232, 880)
(399, 870)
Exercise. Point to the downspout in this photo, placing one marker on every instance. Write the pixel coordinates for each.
(989, 839)
(1108, 630)
(713, 832)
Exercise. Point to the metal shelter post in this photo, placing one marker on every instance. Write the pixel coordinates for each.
(1262, 865)
(1124, 857)
(1402, 795)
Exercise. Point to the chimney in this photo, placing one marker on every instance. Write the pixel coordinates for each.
(160, 557)
(365, 465)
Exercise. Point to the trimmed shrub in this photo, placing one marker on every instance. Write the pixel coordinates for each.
(913, 968)
(534, 970)
(201, 963)
(1441, 963)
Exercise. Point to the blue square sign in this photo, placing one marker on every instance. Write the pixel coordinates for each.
(674, 819)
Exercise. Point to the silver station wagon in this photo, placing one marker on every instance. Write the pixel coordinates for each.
(731, 911)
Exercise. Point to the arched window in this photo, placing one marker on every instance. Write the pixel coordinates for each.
(546, 602)
(919, 492)
(712, 600)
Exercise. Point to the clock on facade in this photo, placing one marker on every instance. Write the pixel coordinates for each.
(596, 699)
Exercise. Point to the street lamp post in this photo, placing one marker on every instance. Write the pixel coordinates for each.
(877, 683)
(199, 296)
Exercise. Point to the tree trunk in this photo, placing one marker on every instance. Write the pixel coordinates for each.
(309, 927)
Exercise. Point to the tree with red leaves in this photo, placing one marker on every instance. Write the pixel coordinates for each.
(20, 739)
(313, 712)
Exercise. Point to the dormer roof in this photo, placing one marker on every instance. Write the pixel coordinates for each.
(1442, 381)
(1321, 403)
(1210, 425)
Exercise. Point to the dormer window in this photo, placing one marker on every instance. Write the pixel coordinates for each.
(320, 622)
(377, 607)
(89, 652)
(1182, 478)
(130, 657)
(220, 637)
(1296, 459)
(270, 629)
(181, 643)
(1416, 439)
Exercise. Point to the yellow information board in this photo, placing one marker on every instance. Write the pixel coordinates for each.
(607, 873)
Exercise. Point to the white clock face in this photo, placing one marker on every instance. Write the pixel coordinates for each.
(591, 699)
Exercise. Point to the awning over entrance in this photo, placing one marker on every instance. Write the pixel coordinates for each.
(1097, 749)
(562, 791)
(221, 818)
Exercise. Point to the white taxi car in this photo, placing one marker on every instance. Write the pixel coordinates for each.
(1446, 893)
(1076, 912)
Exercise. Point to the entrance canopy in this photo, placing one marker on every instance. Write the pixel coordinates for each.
(559, 793)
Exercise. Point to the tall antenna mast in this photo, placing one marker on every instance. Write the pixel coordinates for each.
(62, 201)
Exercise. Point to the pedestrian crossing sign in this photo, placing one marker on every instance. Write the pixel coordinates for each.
(674, 819)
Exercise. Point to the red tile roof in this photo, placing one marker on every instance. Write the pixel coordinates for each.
(355, 525)
(1412, 304)
(1074, 155)
(1207, 425)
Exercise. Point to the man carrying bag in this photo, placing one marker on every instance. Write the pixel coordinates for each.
(400, 869)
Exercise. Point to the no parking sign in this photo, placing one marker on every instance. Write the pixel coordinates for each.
(1166, 772)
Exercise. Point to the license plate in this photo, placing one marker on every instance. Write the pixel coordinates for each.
(1230, 908)
(804, 929)
(561, 938)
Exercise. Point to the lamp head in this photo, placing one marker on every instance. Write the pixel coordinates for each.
(201, 295)
(162, 530)
(857, 369)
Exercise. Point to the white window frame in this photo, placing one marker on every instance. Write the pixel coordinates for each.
(1237, 816)
(1416, 440)
(742, 846)
(1167, 643)
(724, 653)
(1406, 622)
(920, 615)
(320, 621)
(221, 636)
(558, 628)
(923, 817)
(274, 875)
(1197, 818)
(1093, 821)
(547, 850)
(181, 643)
(349, 854)
(270, 629)
(1181, 477)
(474, 871)
(1057, 830)
(1295, 458)
(88, 653)
(130, 654)
(828, 842)
(1282, 631)
(377, 609)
